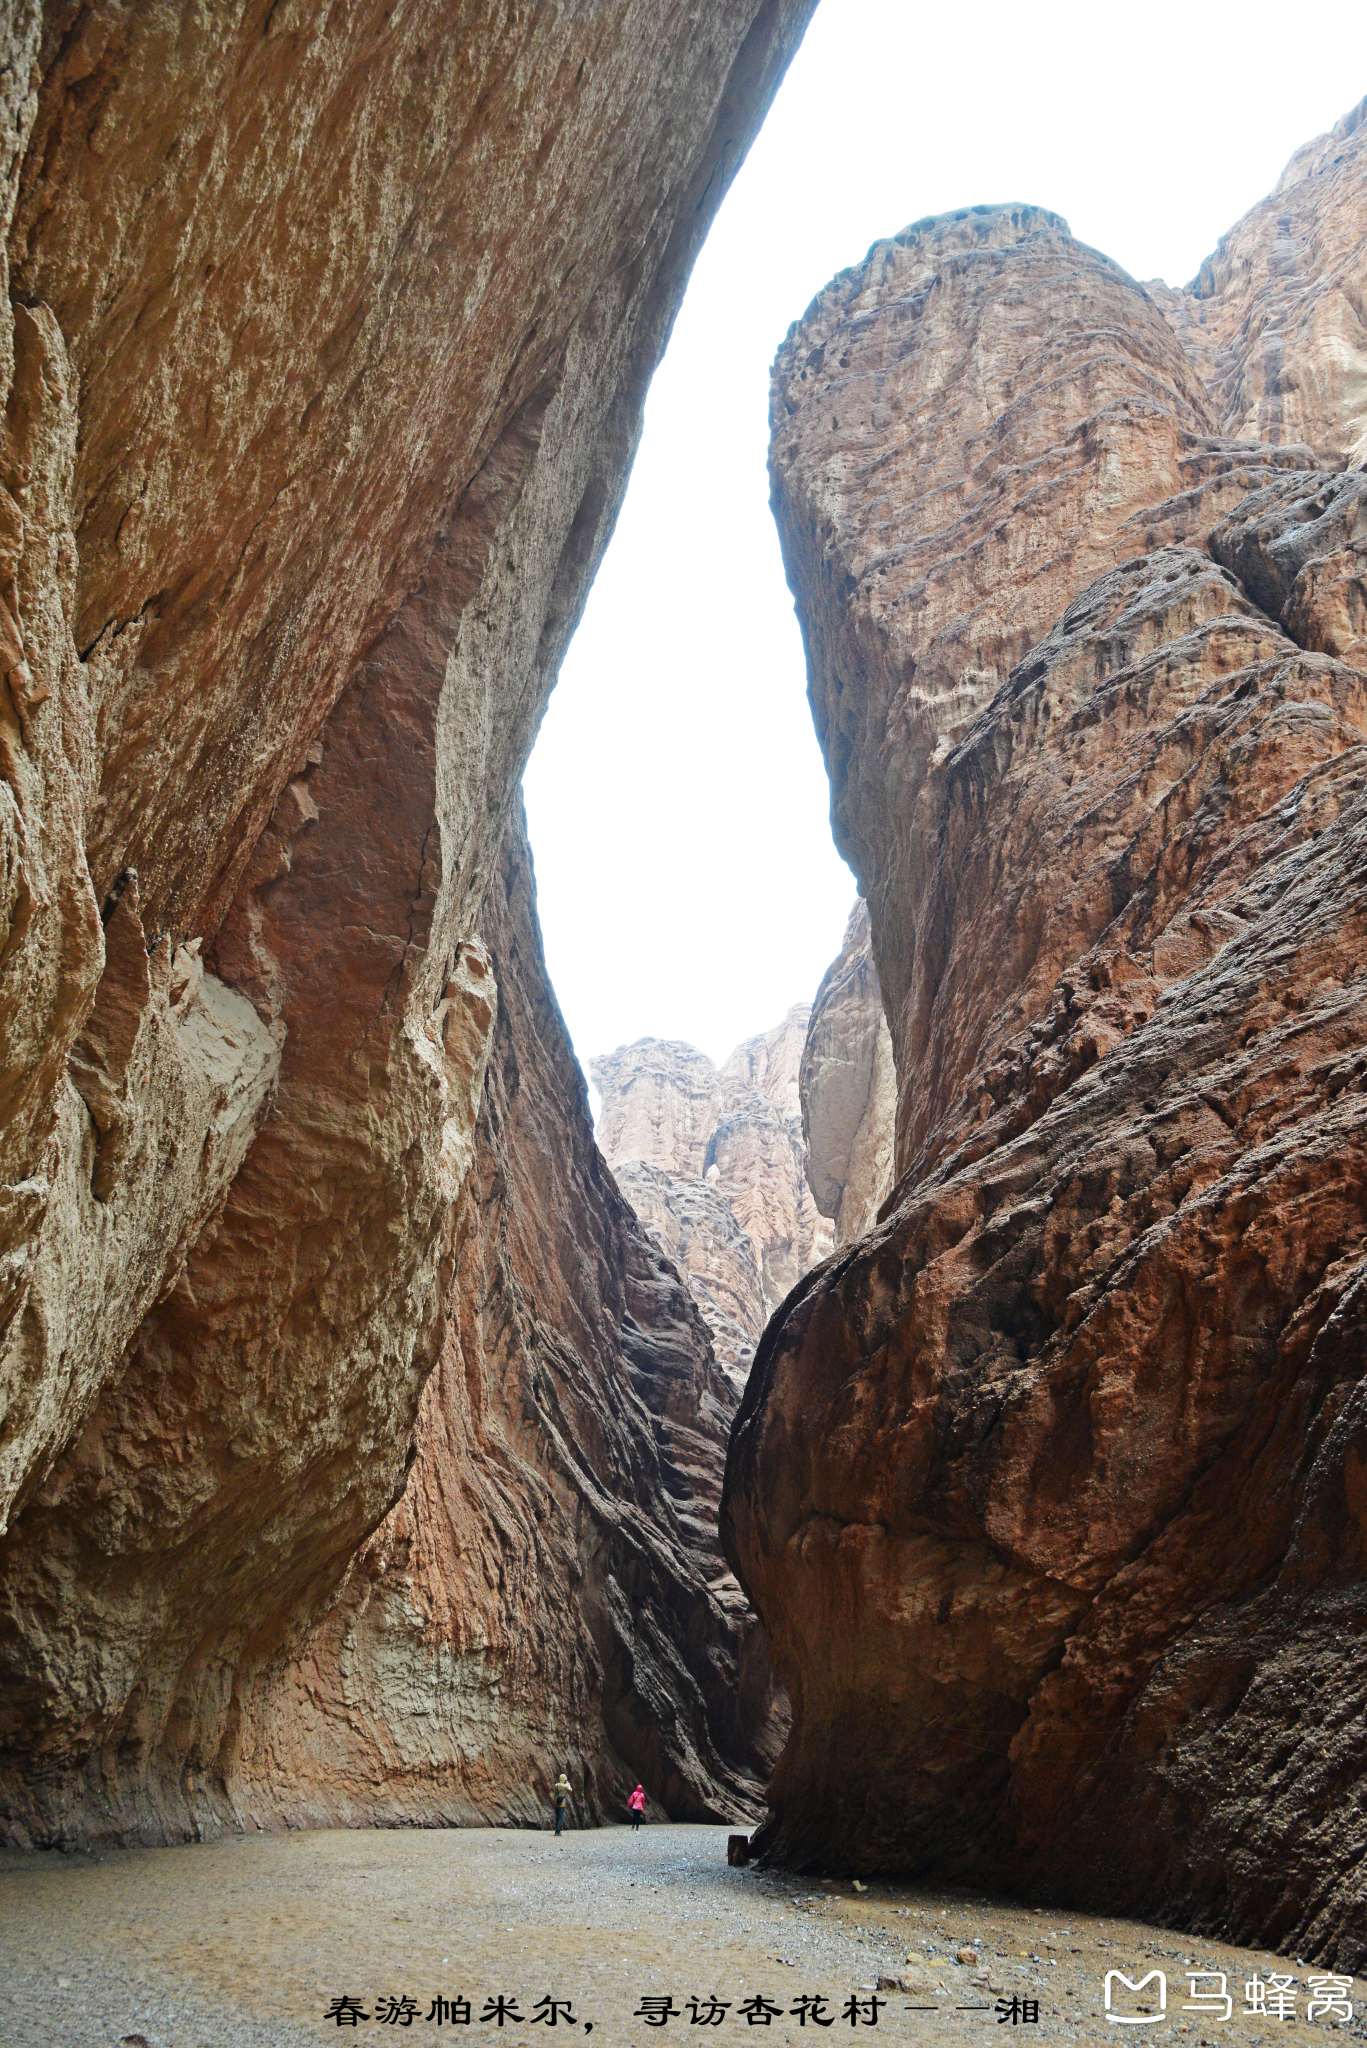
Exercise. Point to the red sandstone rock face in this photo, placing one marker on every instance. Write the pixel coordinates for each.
(963, 428)
(548, 1594)
(324, 350)
(1049, 1489)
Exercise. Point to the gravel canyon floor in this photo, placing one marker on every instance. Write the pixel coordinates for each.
(251, 1941)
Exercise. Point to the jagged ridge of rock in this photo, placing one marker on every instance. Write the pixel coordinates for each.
(1048, 1489)
(692, 1218)
(713, 1160)
(324, 342)
(1276, 319)
(549, 1593)
(848, 1088)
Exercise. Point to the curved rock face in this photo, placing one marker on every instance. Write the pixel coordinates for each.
(848, 1086)
(325, 343)
(1028, 401)
(548, 1594)
(713, 1161)
(1048, 1489)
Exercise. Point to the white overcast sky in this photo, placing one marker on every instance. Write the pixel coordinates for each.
(677, 801)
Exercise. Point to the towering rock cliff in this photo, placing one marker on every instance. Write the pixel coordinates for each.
(848, 1087)
(548, 1594)
(1049, 1489)
(712, 1161)
(324, 343)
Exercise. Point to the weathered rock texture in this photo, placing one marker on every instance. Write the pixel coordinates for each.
(694, 1222)
(549, 1593)
(324, 345)
(712, 1160)
(849, 1088)
(1050, 1490)
(1276, 321)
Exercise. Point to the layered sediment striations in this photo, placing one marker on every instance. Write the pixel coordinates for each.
(1048, 1488)
(712, 1160)
(324, 343)
(548, 1594)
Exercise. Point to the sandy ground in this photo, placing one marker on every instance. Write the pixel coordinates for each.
(252, 1941)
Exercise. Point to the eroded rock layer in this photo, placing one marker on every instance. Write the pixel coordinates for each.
(324, 345)
(1049, 1488)
(1276, 320)
(712, 1160)
(548, 1594)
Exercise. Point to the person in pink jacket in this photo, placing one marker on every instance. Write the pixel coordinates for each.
(637, 1804)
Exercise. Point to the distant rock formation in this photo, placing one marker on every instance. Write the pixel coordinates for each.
(1276, 321)
(693, 1220)
(848, 1088)
(324, 340)
(548, 1594)
(1049, 1489)
(713, 1161)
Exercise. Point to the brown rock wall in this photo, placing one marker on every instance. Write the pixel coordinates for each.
(962, 427)
(549, 1592)
(1300, 548)
(330, 335)
(1046, 1487)
(695, 1223)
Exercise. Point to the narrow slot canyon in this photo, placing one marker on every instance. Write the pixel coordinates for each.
(916, 1439)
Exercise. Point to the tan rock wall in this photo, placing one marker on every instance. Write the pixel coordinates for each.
(713, 1160)
(329, 337)
(848, 1088)
(660, 1103)
(1276, 320)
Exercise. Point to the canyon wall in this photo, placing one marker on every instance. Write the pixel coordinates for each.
(548, 1594)
(1049, 1488)
(324, 344)
(848, 1088)
(712, 1160)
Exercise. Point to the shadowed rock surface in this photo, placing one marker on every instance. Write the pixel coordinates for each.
(549, 1593)
(694, 1222)
(324, 344)
(1049, 1488)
